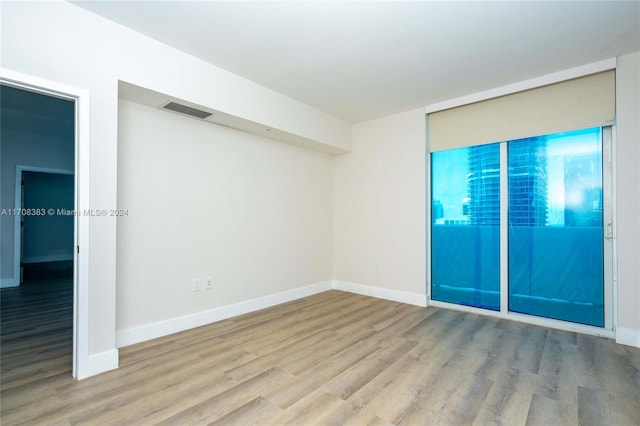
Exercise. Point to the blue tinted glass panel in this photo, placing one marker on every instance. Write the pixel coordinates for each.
(465, 229)
(555, 227)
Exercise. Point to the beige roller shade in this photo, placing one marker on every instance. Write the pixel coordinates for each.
(569, 105)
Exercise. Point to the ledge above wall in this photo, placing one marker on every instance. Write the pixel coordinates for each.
(156, 99)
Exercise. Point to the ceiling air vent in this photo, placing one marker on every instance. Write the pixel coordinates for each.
(183, 109)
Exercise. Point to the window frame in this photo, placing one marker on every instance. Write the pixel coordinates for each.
(609, 253)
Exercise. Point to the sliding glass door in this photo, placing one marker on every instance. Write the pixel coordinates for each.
(556, 235)
(465, 232)
(545, 221)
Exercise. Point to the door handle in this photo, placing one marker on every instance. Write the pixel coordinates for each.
(609, 231)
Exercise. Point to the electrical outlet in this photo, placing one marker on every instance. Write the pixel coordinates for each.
(377, 267)
(208, 283)
(195, 284)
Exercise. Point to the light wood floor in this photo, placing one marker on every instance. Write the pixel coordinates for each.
(333, 358)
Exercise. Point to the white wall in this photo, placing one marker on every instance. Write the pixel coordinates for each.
(205, 200)
(628, 197)
(26, 148)
(379, 205)
(61, 42)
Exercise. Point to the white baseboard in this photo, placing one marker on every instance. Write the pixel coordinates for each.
(109, 360)
(99, 363)
(382, 293)
(163, 328)
(628, 336)
(9, 282)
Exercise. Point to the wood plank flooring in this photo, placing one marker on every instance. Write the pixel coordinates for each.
(330, 359)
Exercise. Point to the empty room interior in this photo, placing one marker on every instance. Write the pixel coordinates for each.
(358, 213)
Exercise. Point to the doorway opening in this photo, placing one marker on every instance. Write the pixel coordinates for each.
(44, 157)
(46, 228)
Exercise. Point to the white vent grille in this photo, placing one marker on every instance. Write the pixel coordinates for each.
(183, 109)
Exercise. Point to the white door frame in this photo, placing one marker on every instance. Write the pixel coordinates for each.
(17, 231)
(81, 223)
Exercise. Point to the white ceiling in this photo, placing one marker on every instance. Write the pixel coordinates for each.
(363, 60)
